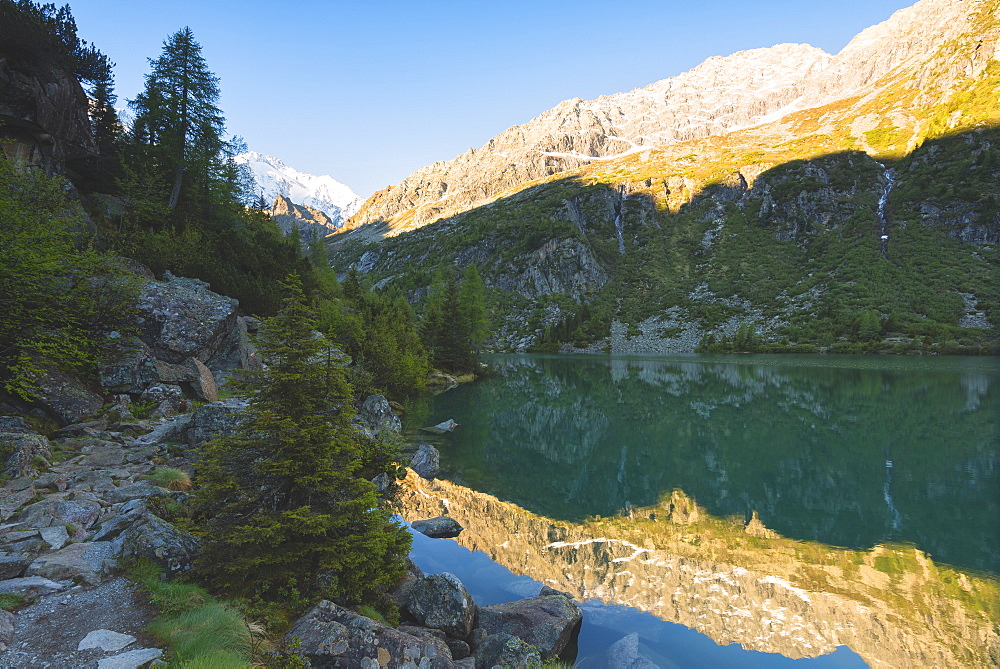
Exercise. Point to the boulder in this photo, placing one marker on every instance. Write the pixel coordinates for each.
(13, 565)
(203, 383)
(426, 461)
(6, 629)
(141, 490)
(14, 425)
(55, 536)
(238, 351)
(31, 585)
(441, 601)
(173, 429)
(442, 428)
(508, 651)
(158, 541)
(402, 592)
(332, 636)
(624, 654)
(64, 397)
(107, 640)
(133, 659)
(129, 368)
(49, 512)
(548, 622)
(85, 562)
(90, 428)
(181, 318)
(442, 527)
(218, 419)
(25, 449)
(376, 414)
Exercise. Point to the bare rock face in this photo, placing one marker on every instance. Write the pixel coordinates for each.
(43, 118)
(331, 636)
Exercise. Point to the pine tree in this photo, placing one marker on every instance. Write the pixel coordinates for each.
(177, 113)
(286, 508)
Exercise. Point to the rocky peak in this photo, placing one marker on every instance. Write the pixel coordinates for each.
(719, 96)
(307, 220)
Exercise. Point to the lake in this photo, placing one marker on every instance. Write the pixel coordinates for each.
(732, 510)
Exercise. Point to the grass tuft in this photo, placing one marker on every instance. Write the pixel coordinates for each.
(170, 478)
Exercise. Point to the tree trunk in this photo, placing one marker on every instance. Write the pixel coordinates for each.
(176, 192)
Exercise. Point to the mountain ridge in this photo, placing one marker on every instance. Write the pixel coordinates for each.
(711, 99)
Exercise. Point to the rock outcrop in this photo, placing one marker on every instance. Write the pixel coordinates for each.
(309, 222)
(43, 117)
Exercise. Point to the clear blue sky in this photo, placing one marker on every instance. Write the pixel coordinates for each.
(370, 90)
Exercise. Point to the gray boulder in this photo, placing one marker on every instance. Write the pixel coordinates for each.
(90, 428)
(548, 622)
(24, 448)
(31, 585)
(129, 368)
(442, 527)
(141, 490)
(6, 629)
(508, 651)
(158, 541)
(13, 425)
(64, 397)
(13, 565)
(441, 601)
(426, 461)
(86, 562)
(181, 318)
(376, 414)
(46, 513)
(332, 636)
(218, 419)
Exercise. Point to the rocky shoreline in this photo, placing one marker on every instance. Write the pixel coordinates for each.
(79, 502)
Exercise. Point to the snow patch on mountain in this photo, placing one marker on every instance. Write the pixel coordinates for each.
(321, 192)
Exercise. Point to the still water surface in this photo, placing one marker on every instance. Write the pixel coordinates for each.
(787, 504)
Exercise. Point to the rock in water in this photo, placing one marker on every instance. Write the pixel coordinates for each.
(441, 527)
(447, 426)
(548, 622)
(426, 461)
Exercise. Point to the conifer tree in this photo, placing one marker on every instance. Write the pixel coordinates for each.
(285, 505)
(177, 112)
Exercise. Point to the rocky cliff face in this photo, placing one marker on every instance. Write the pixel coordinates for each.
(43, 117)
(307, 220)
(719, 96)
(735, 583)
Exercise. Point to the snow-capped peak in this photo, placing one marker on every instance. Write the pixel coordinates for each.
(321, 192)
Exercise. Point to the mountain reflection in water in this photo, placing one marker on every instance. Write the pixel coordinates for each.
(790, 505)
